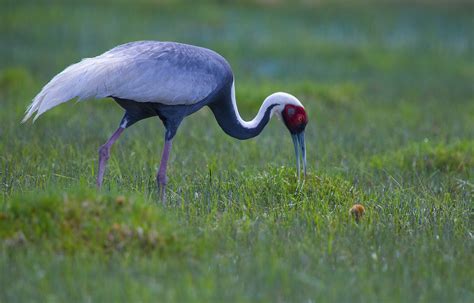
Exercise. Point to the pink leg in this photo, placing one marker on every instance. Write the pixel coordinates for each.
(104, 154)
(161, 178)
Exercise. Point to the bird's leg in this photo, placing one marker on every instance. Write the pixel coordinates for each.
(104, 154)
(161, 178)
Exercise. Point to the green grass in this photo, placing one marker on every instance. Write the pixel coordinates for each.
(388, 89)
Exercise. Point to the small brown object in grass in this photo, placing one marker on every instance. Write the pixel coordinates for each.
(120, 200)
(357, 211)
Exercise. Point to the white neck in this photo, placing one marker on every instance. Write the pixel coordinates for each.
(278, 100)
(229, 119)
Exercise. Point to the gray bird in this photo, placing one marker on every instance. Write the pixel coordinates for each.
(169, 80)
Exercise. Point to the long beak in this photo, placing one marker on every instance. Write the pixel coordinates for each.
(299, 143)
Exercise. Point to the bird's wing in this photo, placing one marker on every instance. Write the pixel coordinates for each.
(145, 71)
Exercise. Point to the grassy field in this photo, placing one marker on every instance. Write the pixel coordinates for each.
(390, 97)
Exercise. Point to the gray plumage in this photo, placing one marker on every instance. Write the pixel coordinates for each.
(145, 71)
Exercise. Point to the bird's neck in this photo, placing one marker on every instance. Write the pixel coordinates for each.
(228, 117)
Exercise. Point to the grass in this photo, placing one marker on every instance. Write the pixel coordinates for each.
(388, 89)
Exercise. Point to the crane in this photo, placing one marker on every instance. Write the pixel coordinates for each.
(170, 80)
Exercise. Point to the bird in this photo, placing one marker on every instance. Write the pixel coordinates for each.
(171, 81)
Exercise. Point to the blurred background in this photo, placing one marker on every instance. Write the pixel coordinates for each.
(323, 41)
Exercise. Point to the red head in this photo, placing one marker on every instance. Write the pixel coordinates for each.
(295, 118)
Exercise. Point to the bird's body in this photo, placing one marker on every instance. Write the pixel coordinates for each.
(165, 79)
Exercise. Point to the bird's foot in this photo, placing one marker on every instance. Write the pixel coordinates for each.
(161, 182)
(104, 155)
(162, 192)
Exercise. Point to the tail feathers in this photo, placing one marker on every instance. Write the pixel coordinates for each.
(82, 80)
